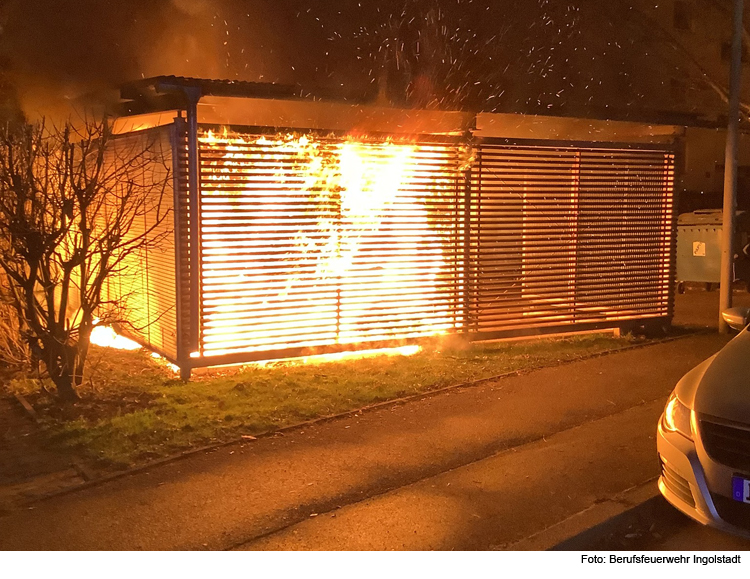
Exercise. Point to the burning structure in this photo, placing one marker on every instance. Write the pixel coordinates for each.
(303, 226)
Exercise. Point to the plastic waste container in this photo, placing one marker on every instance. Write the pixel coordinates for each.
(699, 247)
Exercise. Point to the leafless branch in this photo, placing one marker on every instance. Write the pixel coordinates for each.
(76, 206)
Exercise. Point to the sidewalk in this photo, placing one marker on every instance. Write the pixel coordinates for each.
(227, 497)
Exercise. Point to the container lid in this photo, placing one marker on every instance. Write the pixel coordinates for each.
(706, 217)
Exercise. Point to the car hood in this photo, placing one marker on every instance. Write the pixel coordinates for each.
(723, 390)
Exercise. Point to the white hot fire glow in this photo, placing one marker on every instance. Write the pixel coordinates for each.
(308, 242)
(106, 336)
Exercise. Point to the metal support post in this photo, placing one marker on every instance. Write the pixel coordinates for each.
(195, 217)
(730, 169)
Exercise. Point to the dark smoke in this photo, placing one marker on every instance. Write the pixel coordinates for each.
(58, 53)
(580, 57)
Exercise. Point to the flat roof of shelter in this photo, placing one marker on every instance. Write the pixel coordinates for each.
(156, 101)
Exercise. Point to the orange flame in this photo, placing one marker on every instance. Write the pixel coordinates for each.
(106, 337)
(338, 356)
(315, 270)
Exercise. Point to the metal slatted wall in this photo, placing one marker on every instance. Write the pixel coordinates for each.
(314, 243)
(144, 286)
(569, 235)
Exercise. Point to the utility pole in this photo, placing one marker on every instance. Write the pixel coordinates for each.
(730, 169)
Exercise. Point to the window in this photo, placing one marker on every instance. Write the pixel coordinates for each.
(683, 15)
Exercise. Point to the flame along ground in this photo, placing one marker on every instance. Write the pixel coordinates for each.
(106, 336)
(363, 242)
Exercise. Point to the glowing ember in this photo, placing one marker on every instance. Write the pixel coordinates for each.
(313, 242)
(335, 357)
(105, 336)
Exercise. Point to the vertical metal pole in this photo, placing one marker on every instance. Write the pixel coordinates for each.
(179, 131)
(730, 168)
(339, 277)
(467, 252)
(195, 220)
(471, 261)
(575, 227)
(670, 204)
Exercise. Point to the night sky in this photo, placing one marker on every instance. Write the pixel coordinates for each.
(575, 57)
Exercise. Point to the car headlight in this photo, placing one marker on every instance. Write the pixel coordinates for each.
(677, 417)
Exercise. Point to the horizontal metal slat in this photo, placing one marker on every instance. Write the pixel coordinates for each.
(567, 235)
(271, 203)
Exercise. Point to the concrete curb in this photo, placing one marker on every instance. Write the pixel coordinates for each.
(602, 524)
(350, 413)
(637, 528)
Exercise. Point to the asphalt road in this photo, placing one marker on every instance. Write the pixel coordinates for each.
(495, 501)
(583, 469)
(475, 468)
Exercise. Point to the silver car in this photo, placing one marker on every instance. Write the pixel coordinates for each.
(703, 437)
